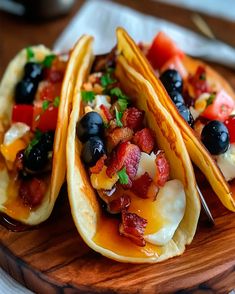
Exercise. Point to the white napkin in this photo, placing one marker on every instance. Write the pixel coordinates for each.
(10, 286)
(100, 19)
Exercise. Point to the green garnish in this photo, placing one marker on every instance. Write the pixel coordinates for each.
(47, 62)
(56, 101)
(118, 115)
(106, 80)
(45, 105)
(88, 96)
(122, 98)
(30, 53)
(35, 140)
(123, 177)
(210, 100)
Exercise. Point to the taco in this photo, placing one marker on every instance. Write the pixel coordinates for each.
(130, 181)
(35, 95)
(200, 101)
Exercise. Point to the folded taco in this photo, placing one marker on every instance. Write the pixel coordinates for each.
(131, 185)
(35, 95)
(201, 103)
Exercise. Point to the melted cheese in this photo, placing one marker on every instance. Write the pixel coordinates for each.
(102, 181)
(169, 207)
(226, 163)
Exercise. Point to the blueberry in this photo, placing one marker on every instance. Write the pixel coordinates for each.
(33, 71)
(47, 140)
(92, 150)
(37, 159)
(186, 114)
(176, 97)
(91, 124)
(172, 80)
(215, 137)
(25, 91)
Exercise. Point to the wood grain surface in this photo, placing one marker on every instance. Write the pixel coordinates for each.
(53, 259)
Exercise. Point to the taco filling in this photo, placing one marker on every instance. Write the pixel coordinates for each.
(201, 100)
(27, 137)
(130, 174)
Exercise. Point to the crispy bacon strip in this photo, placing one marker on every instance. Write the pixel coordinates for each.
(32, 191)
(163, 168)
(119, 204)
(117, 136)
(97, 168)
(141, 185)
(133, 227)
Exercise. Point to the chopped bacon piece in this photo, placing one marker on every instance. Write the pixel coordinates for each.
(133, 227)
(48, 91)
(145, 140)
(133, 118)
(32, 191)
(199, 82)
(163, 168)
(119, 204)
(127, 155)
(141, 185)
(106, 112)
(117, 136)
(55, 73)
(97, 168)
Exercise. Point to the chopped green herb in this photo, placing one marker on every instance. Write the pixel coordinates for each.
(47, 62)
(88, 96)
(35, 140)
(122, 98)
(30, 53)
(56, 101)
(45, 105)
(123, 177)
(106, 80)
(118, 115)
(210, 100)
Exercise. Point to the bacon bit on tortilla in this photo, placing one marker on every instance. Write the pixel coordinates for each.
(133, 118)
(141, 185)
(117, 136)
(119, 204)
(97, 168)
(163, 168)
(127, 155)
(106, 112)
(145, 140)
(32, 191)
(199, 82)
(133, 227)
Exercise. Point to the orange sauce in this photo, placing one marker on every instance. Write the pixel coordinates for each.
(108, 237)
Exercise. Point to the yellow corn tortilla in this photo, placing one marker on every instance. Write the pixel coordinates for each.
(198, 153)
(95, 229)
(13, 74)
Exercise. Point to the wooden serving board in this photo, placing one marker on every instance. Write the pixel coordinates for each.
(54, 259)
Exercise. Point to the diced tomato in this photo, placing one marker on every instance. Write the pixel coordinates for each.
(161, 50)
(106, 112)
(230, 124)
(48, 91)
(44, 120)
(23, 113)
(199, 82)
(55, 73)
(221, 107)
(176, 63)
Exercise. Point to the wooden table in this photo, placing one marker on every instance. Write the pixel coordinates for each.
(16, 33)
